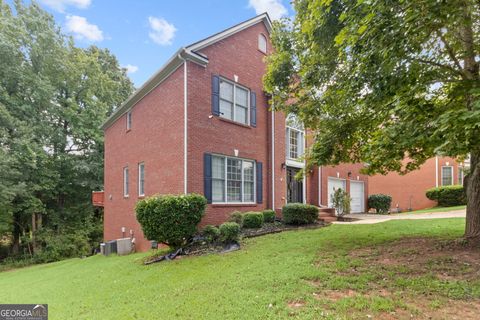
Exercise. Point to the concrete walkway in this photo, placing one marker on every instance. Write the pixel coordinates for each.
(366, 218)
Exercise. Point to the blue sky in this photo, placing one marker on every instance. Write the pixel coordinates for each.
(143, 34)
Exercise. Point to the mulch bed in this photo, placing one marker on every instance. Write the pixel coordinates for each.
(277, 226)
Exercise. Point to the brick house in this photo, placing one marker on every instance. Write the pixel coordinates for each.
(408, 191)
(202, 124)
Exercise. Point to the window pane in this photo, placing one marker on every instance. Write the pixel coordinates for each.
(293, 144)
(248, 177)
(218, 190)
(218, 168)
(241, 97)
(248, 170)
(125, 181)
(447, 176)
(262, 43)
(460, 175)
(241, 114)
(226, 91)
(234, 180)
(226, 109)
(141, 179)
(248, 189)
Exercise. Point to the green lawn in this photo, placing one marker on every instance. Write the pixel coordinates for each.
(436, 209)
(295, 274)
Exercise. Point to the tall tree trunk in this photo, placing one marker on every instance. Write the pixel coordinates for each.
(34, 229)
(472, 186)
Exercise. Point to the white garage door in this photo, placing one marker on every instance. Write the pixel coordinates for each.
(357, 193)
(334, 184)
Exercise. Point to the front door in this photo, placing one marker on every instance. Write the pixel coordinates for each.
(294, 187)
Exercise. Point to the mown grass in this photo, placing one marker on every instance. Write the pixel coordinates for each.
(436, 209)
(258, 282)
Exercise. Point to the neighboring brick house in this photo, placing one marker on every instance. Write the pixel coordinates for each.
(202, 124)
(408, 191)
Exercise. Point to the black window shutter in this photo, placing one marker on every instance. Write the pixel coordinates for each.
(253, 109)
(207, 175)
(259, 183)
(215, 95)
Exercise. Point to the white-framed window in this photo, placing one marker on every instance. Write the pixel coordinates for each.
(234, 102)
(129, 120)
(262, 43)
(295, 137)
(141, 179)
(447, 175)
(233, 180)
(125, 182)
(461, 175)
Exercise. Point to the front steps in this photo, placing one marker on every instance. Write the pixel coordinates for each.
(327, 214)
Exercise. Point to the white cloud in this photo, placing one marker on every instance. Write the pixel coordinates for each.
(275, 8)
(162, 32)
(61, 5)
(131, 68)
(82, 29)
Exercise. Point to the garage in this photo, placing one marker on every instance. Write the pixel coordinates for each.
(335, 184)
(357, 193)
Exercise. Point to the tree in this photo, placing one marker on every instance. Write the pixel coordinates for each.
(53, 98)
(390, 83)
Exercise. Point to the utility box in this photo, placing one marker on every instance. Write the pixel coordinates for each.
(110, 247)
(102, 248)
(124, 246)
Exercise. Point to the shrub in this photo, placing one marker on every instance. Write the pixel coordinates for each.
(229, 232)
(211, 233)
(298, 213)
(341, 202)
(170, 219)
(252, 220)
(57, 246)
(447, 196)
(380, 202)
(236, 216)
(268, 215)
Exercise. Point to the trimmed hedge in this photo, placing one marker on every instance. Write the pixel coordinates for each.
(211, 233)
(380, 202)
(236, 216)
(171, 219)
(447, 196)
(298, 213)
(268, 216)
(252, 220)
(229, 232)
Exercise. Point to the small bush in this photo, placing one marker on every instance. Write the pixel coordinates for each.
(237, 217)
(298, 213)
(229, 232)
(341, 202)
(268, 216)
(211, 233)
(252, 220)
(380, 202)
(170, 219)
(447, 196)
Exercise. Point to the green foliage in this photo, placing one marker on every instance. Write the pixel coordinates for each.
(253, 219)
(341, 202)
(229, 232)
(298, 213)
(211, 233)
(57, 246)
(380, 202)
(447, 196)
(170, 219)
(236, 217)
(268, 216)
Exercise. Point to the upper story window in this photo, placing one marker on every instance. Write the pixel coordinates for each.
(234, 102)
(129, 120)
(141, 179)
(233, 180)
(262, 43)
(461, 174)
(125, 182)
(447, 176)
(295, 136)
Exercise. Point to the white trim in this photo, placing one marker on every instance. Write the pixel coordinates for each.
(231, 31)
(436, 171)
(141, 164)
(185, 127)
(319, 186)
(328, 189)
(295, 164)
(264, 41)
(126, 182)
(451, 171)
(273, 156)
(129, 119)
(363, 194)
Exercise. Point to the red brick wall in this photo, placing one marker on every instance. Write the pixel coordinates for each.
(156, 138)
(408, 191)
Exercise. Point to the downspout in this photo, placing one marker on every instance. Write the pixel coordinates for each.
(319, 186)
(273, 156)
(436, 171)
(185, 124)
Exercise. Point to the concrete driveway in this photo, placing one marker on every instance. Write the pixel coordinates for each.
(365, 218)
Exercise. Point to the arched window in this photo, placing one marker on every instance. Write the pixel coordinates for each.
(262, 43)
(295, 137)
